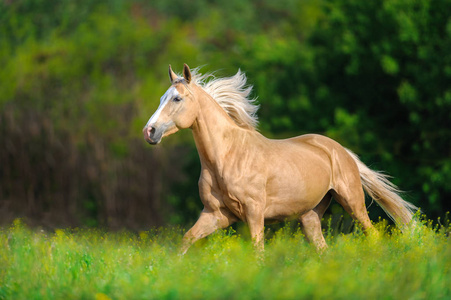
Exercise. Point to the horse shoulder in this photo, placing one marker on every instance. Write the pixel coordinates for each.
(242, 176)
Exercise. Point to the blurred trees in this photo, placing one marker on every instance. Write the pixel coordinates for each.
(376, 77)
(73, 103)
(80, 79)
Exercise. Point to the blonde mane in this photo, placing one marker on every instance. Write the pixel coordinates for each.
(232, 94)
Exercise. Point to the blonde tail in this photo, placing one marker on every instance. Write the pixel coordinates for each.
(385, 193)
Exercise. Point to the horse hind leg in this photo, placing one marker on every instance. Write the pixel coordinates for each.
(352, 198)
(311, 223)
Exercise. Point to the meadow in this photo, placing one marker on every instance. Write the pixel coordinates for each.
(79, 80)
(96, 264)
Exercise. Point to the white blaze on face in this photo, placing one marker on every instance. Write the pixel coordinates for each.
(168, 96)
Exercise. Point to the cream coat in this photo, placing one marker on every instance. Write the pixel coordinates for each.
(247, 177)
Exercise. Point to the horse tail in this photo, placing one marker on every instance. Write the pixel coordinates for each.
(385, 193)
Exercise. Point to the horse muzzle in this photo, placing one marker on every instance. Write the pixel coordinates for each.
(152, 135)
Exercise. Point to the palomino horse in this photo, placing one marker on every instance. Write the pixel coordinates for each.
(248, 177)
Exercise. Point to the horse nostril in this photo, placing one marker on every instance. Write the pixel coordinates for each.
(149, 131)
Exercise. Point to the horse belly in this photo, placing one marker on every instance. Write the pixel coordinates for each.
(296, 188)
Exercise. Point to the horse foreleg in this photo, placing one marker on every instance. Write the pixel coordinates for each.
(207, 223)
(311, 223)
(256, 221)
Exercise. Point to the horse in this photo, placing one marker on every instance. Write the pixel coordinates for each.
(248, 177)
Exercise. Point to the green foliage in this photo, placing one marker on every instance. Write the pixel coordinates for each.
(388, 68)
(79, 81)
(72, 109)
(372, 75)
(92, 264)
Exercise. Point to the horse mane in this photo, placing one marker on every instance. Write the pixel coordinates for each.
(232, 94)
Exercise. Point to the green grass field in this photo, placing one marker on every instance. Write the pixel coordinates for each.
(92, 264)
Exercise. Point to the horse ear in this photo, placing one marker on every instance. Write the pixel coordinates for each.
(186, 73)
(172, 75)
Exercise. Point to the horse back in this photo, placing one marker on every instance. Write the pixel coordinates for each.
(340, 161)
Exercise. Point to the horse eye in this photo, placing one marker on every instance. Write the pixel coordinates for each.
(177, 99)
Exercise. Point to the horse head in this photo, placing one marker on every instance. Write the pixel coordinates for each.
(177, 110)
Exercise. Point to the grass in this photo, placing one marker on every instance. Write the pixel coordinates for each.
(93, 264)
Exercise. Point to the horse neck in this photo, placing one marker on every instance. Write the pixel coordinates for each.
(214, 132)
